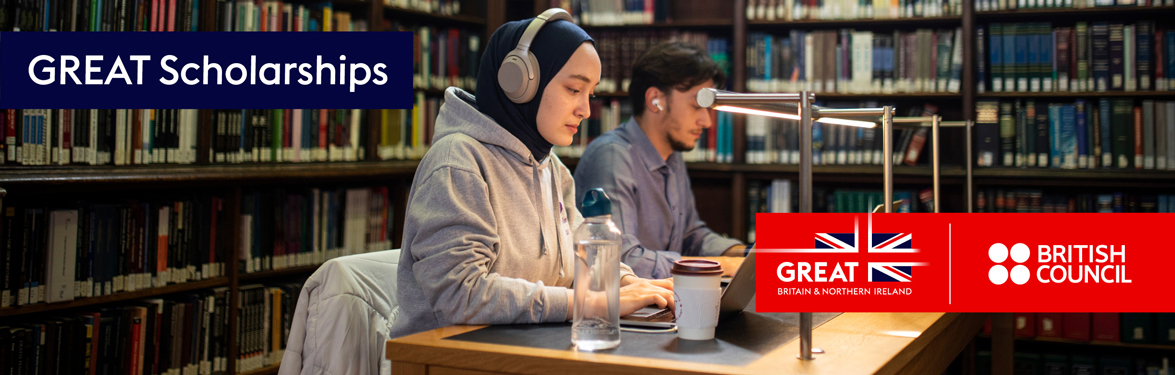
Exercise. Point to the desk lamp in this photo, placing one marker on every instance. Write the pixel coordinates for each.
(798, 106)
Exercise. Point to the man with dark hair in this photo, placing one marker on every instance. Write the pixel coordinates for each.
(639, 164)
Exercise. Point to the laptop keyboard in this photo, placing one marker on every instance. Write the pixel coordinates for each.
(663, 315)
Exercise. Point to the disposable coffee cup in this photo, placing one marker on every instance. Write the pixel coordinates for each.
(697, 290)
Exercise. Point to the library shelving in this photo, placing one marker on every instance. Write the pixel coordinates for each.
(282, 188)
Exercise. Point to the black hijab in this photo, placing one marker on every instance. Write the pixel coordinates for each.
(552, 47)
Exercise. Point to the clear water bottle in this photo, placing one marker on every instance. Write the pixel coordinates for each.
(596, 324)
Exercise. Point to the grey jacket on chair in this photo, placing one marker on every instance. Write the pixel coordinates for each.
(342, 318)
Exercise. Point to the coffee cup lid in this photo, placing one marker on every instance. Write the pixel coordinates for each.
(696, 267)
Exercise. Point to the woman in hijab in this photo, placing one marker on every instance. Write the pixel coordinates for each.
(487, 238)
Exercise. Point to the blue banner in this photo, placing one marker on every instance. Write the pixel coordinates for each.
(206, 70)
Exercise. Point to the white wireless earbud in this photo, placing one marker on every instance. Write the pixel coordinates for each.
(657, 103)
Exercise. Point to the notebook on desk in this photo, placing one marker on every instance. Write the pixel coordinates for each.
(735, 298)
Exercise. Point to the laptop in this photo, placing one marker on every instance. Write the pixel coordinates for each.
(735, 298)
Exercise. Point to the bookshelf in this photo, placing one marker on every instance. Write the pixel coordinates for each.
(57, 187)
(728, 182)
(710, 179)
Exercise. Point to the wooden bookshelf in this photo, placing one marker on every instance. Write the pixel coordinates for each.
(271, 370)
(203, 174)
(273, 274)
(1086, 94)
(1054, 13)
(725, 182)
(428, 17)
(864, 170)
(904, 23)
(1094, 343)
(1078, 174)
(714, 23)
(891, 96)
(112, 298)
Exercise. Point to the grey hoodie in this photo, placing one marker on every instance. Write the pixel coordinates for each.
(478, 248)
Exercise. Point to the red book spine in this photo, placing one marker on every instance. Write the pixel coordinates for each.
(1160, 61)
(454, 41)
(1076, 326)
(1106, 327)
(155, 9)
(1024, 324)
(94, 344)
(322, 120)
(136, 343)
(171, 15)
(1049, 324)
(1138, 138)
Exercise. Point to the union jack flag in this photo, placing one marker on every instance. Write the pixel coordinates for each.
(891, 272)
(839, 241)
(891, 243)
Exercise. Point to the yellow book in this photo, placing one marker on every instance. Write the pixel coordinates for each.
(326, 18)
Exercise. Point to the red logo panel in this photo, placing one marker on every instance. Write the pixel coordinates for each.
(963, 262)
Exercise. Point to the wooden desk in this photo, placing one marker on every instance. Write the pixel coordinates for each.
(856, 343)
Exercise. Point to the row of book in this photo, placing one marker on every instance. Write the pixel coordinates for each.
(182, 334)
(780, 196)
(274, 15)
(407, 134)
(98, 136)
(1088, 57)
(169, 136)
(858, 62)
(1003, 5)
(97, 15)
(1136, 328)
(1108, 133)
(445, 57)
(776, 141)
(1057, 362)
(1036, 200)
(288, 135)
(91, 250)
(607, 115)
(616, 12)
(290, 228)
(263, 327)
(790, 10)
(715, 145)
(618, 50)
(444, 7)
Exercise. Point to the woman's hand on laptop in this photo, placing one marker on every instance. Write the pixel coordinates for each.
(633, 279)
(644, 292)
(635, 294)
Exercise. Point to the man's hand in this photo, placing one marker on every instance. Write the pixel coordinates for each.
(735, 251)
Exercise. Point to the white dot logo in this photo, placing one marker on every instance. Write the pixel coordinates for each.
(998, 274)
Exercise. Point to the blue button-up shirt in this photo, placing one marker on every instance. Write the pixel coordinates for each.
(652, 201)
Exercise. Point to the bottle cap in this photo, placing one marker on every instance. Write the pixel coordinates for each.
(595, 203)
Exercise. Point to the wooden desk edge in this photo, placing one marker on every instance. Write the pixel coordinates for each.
(941, 336)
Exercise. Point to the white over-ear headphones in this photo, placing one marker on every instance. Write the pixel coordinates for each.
(657, 103)
(519, 74)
